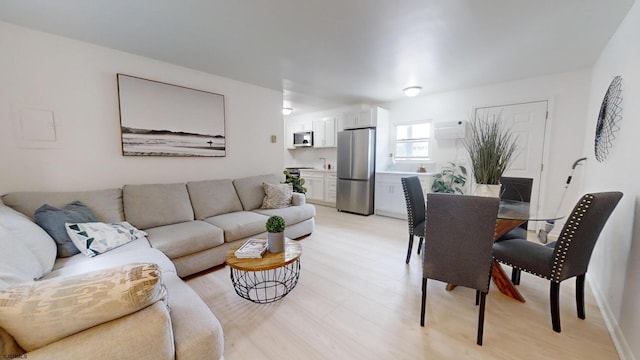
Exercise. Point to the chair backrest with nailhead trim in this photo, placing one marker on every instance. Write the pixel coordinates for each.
(580, 233)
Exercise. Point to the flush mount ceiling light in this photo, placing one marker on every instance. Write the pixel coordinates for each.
(412, 91)
(287, 111)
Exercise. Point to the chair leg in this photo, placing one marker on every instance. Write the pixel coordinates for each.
(555, 305)
(580, 295)
(477, 297)
(515, 276)
(410, 247)
(420, 245)
(424, 301)
(483, 296)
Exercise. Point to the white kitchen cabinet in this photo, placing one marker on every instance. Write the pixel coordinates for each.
(330, 186)
(314, 182)
(324, 132)
(360, 119)
(321, 186)
(389, 195)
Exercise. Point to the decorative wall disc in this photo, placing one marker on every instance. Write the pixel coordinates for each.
(608, 118)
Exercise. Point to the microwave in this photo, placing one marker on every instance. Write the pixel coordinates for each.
(303, 138)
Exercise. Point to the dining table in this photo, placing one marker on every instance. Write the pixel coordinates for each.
(511, 214)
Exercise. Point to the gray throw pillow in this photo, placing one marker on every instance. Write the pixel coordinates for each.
(52, 220)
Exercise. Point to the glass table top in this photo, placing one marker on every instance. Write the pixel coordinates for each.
(520, 210)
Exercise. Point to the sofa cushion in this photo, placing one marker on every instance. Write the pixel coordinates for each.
(277, 196)
(52, 220)
(96, 238)
(185, 238)
(39, 313)
(251, 191)
(147, 206)
(145, 334)
(106, 204)
(137, 251)
(213, 197)
(23, 230)
(17, 263)
(239, 225)
(292, 214)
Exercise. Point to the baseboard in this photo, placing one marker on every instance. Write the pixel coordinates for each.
(618, 338)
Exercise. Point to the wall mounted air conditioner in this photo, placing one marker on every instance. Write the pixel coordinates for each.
(450, 130)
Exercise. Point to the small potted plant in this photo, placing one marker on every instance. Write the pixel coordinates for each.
(296, 181)
(275, 233)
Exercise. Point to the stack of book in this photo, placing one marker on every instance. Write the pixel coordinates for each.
(252, 249)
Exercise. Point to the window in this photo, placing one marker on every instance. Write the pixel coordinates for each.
(412, 141)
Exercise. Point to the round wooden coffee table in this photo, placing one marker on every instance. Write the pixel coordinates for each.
(266, 279)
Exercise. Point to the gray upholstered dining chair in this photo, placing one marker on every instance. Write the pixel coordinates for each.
(569, 256)
(414, 197)
(457, 247)
(516, 188)
(519, 189)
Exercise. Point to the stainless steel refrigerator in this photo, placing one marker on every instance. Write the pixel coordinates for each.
(356, 170)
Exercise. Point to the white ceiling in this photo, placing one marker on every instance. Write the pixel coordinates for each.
(328, 53)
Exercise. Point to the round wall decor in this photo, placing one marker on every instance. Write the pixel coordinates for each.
(608, 118)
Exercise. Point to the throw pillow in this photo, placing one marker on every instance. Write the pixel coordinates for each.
(25, 231)
(17, 263)
(277, 196)
(52, 220)
(41, 312)
(95, 238)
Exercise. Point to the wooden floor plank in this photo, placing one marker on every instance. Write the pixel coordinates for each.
(357, 299)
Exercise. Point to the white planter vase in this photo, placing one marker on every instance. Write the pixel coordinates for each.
(487, 190)
(275, 242)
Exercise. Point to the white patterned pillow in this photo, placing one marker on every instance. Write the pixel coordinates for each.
(277, 195)
(95, 238)
(41, 312)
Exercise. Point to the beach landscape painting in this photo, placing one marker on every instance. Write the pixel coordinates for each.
(159, 119)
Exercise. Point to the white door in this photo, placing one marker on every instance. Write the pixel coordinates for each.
(527, 121)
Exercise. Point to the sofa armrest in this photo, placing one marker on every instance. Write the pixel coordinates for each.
(145, 334)
(298, 199)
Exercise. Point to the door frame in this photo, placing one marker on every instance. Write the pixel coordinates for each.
(543, 174)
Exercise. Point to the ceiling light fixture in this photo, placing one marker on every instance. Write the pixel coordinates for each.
(287, 111)
(412, 91)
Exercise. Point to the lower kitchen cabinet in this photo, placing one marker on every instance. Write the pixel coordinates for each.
(321, 186)
(389, 195)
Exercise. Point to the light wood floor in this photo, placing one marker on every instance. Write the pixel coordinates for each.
(357, 299)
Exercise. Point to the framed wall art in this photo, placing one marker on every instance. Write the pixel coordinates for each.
(159, 119)
(608, 119)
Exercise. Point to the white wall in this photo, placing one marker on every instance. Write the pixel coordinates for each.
(77, 81)
(568, 95)
(615, 265)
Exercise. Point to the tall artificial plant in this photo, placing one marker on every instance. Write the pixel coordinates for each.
(491, 148)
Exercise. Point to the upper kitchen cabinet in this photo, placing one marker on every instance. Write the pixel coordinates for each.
(293, 127)
(324, 132)
(361, 119)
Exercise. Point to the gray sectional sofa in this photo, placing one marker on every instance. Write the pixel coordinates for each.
(190, 226)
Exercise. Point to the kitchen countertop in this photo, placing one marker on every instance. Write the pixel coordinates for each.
(319, 170)
(405, 173)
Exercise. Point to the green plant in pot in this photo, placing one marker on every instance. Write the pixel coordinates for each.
(491, 148)
(275, 233)
(450, 179)
(296, 181)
